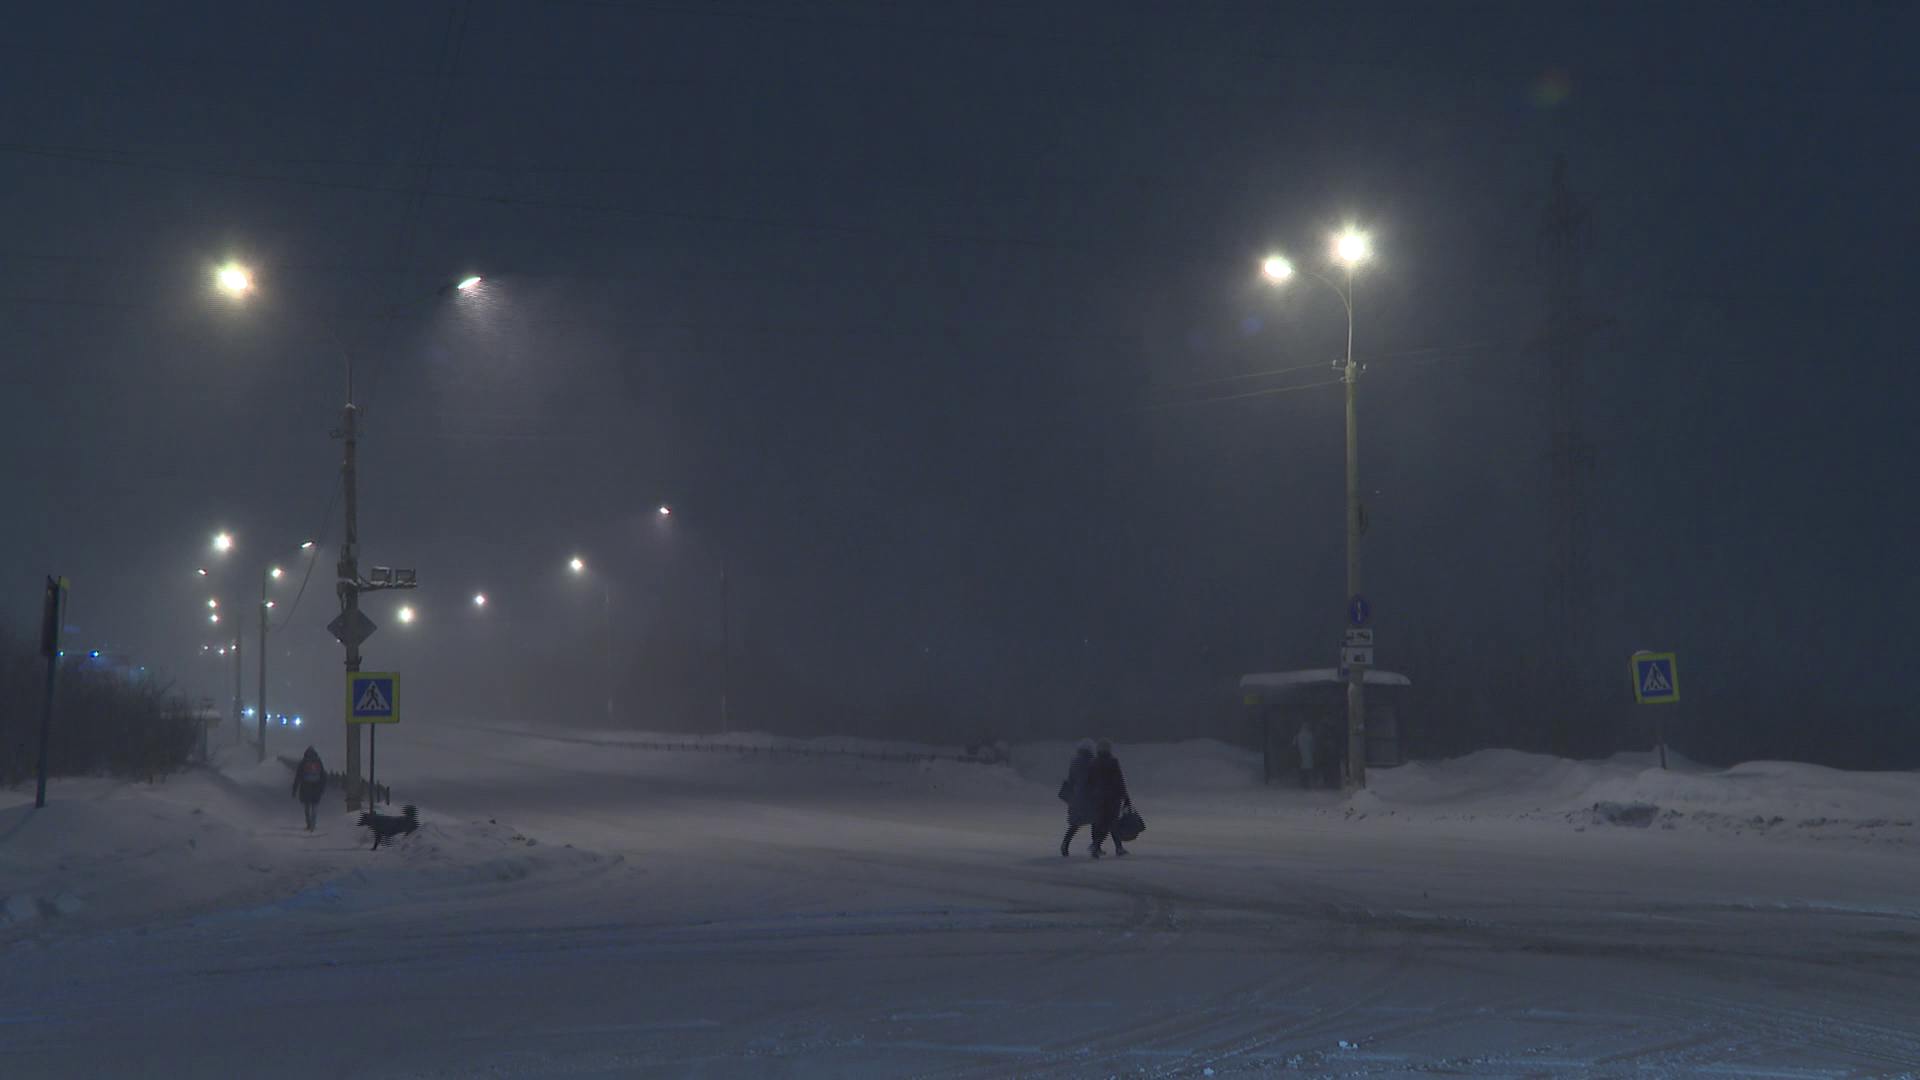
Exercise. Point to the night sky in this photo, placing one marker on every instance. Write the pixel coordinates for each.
(943, 328)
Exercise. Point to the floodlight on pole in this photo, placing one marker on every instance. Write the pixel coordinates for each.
(1277, 268)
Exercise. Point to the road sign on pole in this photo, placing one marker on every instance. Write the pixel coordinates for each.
(373, 697)
(1654, 681)
(1359, 611)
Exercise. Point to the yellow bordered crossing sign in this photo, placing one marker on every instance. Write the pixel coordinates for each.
(1654, 678)
(373, 697)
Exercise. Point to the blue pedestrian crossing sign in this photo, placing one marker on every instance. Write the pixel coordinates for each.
(1654, 679)
(373, 697)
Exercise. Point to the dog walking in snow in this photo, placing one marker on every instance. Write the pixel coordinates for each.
(387, 826)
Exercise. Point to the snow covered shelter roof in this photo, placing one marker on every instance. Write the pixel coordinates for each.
(1274, 680)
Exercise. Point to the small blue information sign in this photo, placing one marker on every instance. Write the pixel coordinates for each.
(1359, 611)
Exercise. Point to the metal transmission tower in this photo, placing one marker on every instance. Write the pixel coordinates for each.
(1570, 458)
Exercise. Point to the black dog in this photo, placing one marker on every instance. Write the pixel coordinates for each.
(387, 826)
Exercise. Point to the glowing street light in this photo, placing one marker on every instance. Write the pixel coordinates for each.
(234, 279)
(213, 618)
(213, 603)
(468, 283)
(479, 599)
(1350, 247)
(406, 614)
(577, 564)
(274, 572)
(665, 510)
(223, 543)
(1277, 268)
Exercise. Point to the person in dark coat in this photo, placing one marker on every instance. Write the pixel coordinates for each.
(309, 783)
(1073, 791)
(1107, 795)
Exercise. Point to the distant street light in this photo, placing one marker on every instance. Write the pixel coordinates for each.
(468, 283)
(235, 279)
(479, 599)
(406, 614)
(223, 543)
(726, 644)
(579, 568)
(213, 603)
(1349, 249)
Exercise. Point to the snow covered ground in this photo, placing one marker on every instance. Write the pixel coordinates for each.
(575, 905)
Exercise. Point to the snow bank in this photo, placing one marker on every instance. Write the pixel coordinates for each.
(1619, 790)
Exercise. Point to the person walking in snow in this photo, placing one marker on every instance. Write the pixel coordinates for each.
(1303, 746)
(309, 783)
(1073, 792)
(1107, 795)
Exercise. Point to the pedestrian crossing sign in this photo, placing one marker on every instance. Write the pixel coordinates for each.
(1654, 679)
(373, 697)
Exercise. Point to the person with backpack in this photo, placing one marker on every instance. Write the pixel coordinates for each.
(1073, 792)
(309, 783)
(1106, 796)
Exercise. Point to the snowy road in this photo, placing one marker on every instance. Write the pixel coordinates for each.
(740, 917)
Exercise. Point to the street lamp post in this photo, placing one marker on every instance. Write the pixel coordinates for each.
(267, 573)
(579, 567)
(726, 643)
(1349, 250)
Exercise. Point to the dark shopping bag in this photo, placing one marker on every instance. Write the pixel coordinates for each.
(1129, 826)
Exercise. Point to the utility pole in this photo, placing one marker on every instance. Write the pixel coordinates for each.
(348, 571)
(1356, 673)
(53, 619)
(1570, 461)
(239, 698)
(260, 717)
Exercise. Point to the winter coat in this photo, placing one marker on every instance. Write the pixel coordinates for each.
(1106, 787)
(1074, 789)
(310, 778)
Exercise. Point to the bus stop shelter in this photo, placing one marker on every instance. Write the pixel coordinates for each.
(1278, 702)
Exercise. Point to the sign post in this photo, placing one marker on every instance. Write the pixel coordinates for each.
(53, 617)
(1656, 682)
(373, 697)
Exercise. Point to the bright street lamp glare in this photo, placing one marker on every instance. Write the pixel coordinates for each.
(577, 564)
(306, 545)
(406, 614)
(234, 279)
(276, 571)
(202, 571)
(479, 599)
(213, 618)
(665, 510)
(213, 603)
(1350, 248)
(222, 542)
(468, 283)
(1277, 269)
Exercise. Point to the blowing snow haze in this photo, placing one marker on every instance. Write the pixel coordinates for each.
(968, 541)
(945, 336)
